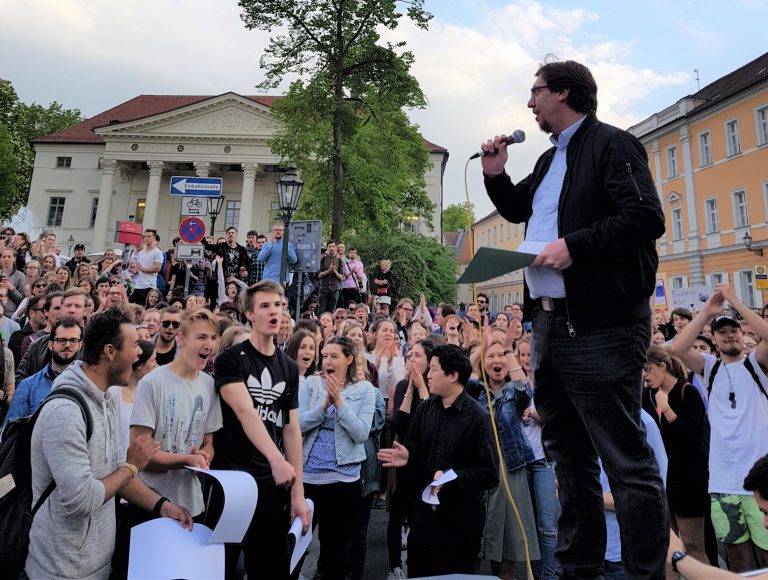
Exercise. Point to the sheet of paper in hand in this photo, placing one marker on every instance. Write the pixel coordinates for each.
(427, 496)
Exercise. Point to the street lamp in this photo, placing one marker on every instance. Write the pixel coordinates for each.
(70, 242)
(214, 209)
(288, 192)
(747, 239)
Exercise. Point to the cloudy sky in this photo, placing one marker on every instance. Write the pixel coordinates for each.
(475, 63)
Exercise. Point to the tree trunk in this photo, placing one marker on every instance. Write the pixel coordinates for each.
(338, 103)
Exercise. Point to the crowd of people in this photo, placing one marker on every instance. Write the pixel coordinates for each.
(571, 431)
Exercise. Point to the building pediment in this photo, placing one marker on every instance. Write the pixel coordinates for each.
(229, 116)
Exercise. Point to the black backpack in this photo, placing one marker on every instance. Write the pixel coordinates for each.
(750, 370)
(16, 511)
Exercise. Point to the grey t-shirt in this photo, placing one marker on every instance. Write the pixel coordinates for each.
(180, 412)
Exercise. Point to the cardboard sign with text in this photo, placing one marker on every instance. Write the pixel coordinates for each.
(692, 298)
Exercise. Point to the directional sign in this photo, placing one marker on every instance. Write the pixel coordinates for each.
(189, 251)
(197, 186)
(191, 230)
(194, 206)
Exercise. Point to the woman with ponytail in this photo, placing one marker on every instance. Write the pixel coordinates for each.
(685, 431)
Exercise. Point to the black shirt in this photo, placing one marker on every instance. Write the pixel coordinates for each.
(164, 358)
(273, 384)
(234, 258)
(457, 438)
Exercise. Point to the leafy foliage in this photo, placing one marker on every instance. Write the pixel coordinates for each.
(455, 217)
(343, 124)
(24, 123)
(9, 176)
(419, 264)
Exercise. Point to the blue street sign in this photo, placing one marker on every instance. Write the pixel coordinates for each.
(196, 186)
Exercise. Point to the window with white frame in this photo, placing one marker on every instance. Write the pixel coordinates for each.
(710, 213)
(56, 211)
(677, 282)
(677, 223)
(746, 286)
(509, 229)
(740, 213)
(705, 149)
(493, 235)
(762, 125)
(671, 162)
(732, 139)
(63, 162)
(501, 232)
(232, 218)
(94, 209)
(716, 278)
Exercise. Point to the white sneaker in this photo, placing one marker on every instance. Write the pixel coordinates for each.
(396, 574)
(404, 538)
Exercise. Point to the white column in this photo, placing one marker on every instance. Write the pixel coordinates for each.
(109, 168)
(202, 168)
(246, 200)
(153, 193)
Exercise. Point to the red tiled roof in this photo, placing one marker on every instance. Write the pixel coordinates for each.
(146, 106)
(137, 108)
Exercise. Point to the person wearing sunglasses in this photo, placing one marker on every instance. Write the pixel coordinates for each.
(166, 347)
(34, 322)
(64, 345)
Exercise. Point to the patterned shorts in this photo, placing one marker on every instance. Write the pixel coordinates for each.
(736, 519)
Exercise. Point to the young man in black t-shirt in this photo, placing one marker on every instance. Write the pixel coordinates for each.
(259, 389)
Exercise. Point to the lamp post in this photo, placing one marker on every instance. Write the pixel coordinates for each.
(747, 239)
(288, 192)
(70, 243)
(214, 209)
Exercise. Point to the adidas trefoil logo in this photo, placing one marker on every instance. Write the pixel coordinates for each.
(265, 393)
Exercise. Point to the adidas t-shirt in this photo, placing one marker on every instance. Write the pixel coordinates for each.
(273, 394)
(739, 436)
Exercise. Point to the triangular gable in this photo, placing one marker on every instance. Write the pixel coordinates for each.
(229, 115)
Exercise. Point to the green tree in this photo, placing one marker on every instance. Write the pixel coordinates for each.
(351, 82)
(419, 264)
(9, 172)
(458, 217)
(25, 123)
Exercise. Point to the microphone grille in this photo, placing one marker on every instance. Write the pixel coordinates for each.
(518, 136)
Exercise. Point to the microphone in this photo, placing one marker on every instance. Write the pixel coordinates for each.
(517, 137)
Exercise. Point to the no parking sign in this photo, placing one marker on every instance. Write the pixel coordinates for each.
(192, 230)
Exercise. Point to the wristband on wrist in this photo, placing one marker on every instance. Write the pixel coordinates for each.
(158, 505)
(676, 557)
(130, 467)
(515, 369)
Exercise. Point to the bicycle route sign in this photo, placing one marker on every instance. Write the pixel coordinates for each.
(191, 230)
(194, 206)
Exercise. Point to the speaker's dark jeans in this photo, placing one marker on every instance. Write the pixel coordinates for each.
(588, 390)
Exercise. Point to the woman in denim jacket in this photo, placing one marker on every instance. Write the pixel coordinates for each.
(502, 542)
(335, 414)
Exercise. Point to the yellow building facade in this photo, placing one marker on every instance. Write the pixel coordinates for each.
(709, 159)
(494, 231)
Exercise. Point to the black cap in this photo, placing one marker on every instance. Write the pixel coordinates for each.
(723, 320)
(79, 246)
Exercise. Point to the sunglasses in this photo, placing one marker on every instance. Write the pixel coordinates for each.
(174, 323)
(114, 282)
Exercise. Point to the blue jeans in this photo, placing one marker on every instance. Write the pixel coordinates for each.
(541, 480)
(588, 390)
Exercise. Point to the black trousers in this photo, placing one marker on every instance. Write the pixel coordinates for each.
(139, 296)
(265, 545)
(337, 510)
(445, 540)
(588, 393)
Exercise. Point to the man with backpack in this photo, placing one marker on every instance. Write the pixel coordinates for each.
(737, 388)
(73, 530)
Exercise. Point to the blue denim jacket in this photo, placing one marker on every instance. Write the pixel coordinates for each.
(29, 394)
(370, 470)
(352, 422)
(508, 410)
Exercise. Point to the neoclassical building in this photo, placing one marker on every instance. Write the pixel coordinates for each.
(117, 166)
